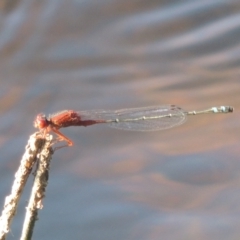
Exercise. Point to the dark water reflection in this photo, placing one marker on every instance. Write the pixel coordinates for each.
(177, 184)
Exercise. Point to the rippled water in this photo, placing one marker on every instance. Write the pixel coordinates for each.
(182, 183)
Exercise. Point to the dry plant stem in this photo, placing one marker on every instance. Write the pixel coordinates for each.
(38, 190)
(21, 176)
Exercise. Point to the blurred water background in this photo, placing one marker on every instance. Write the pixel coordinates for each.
(183, 183)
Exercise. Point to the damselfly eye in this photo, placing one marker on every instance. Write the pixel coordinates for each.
(40, 121)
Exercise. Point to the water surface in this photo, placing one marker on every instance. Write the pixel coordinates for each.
(182, 183)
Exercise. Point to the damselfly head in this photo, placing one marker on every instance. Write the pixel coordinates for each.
(40, 121)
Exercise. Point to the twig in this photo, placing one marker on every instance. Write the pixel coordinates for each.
(21, 176)
(38, 190)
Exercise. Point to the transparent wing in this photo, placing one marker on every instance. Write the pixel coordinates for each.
(139, 119)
